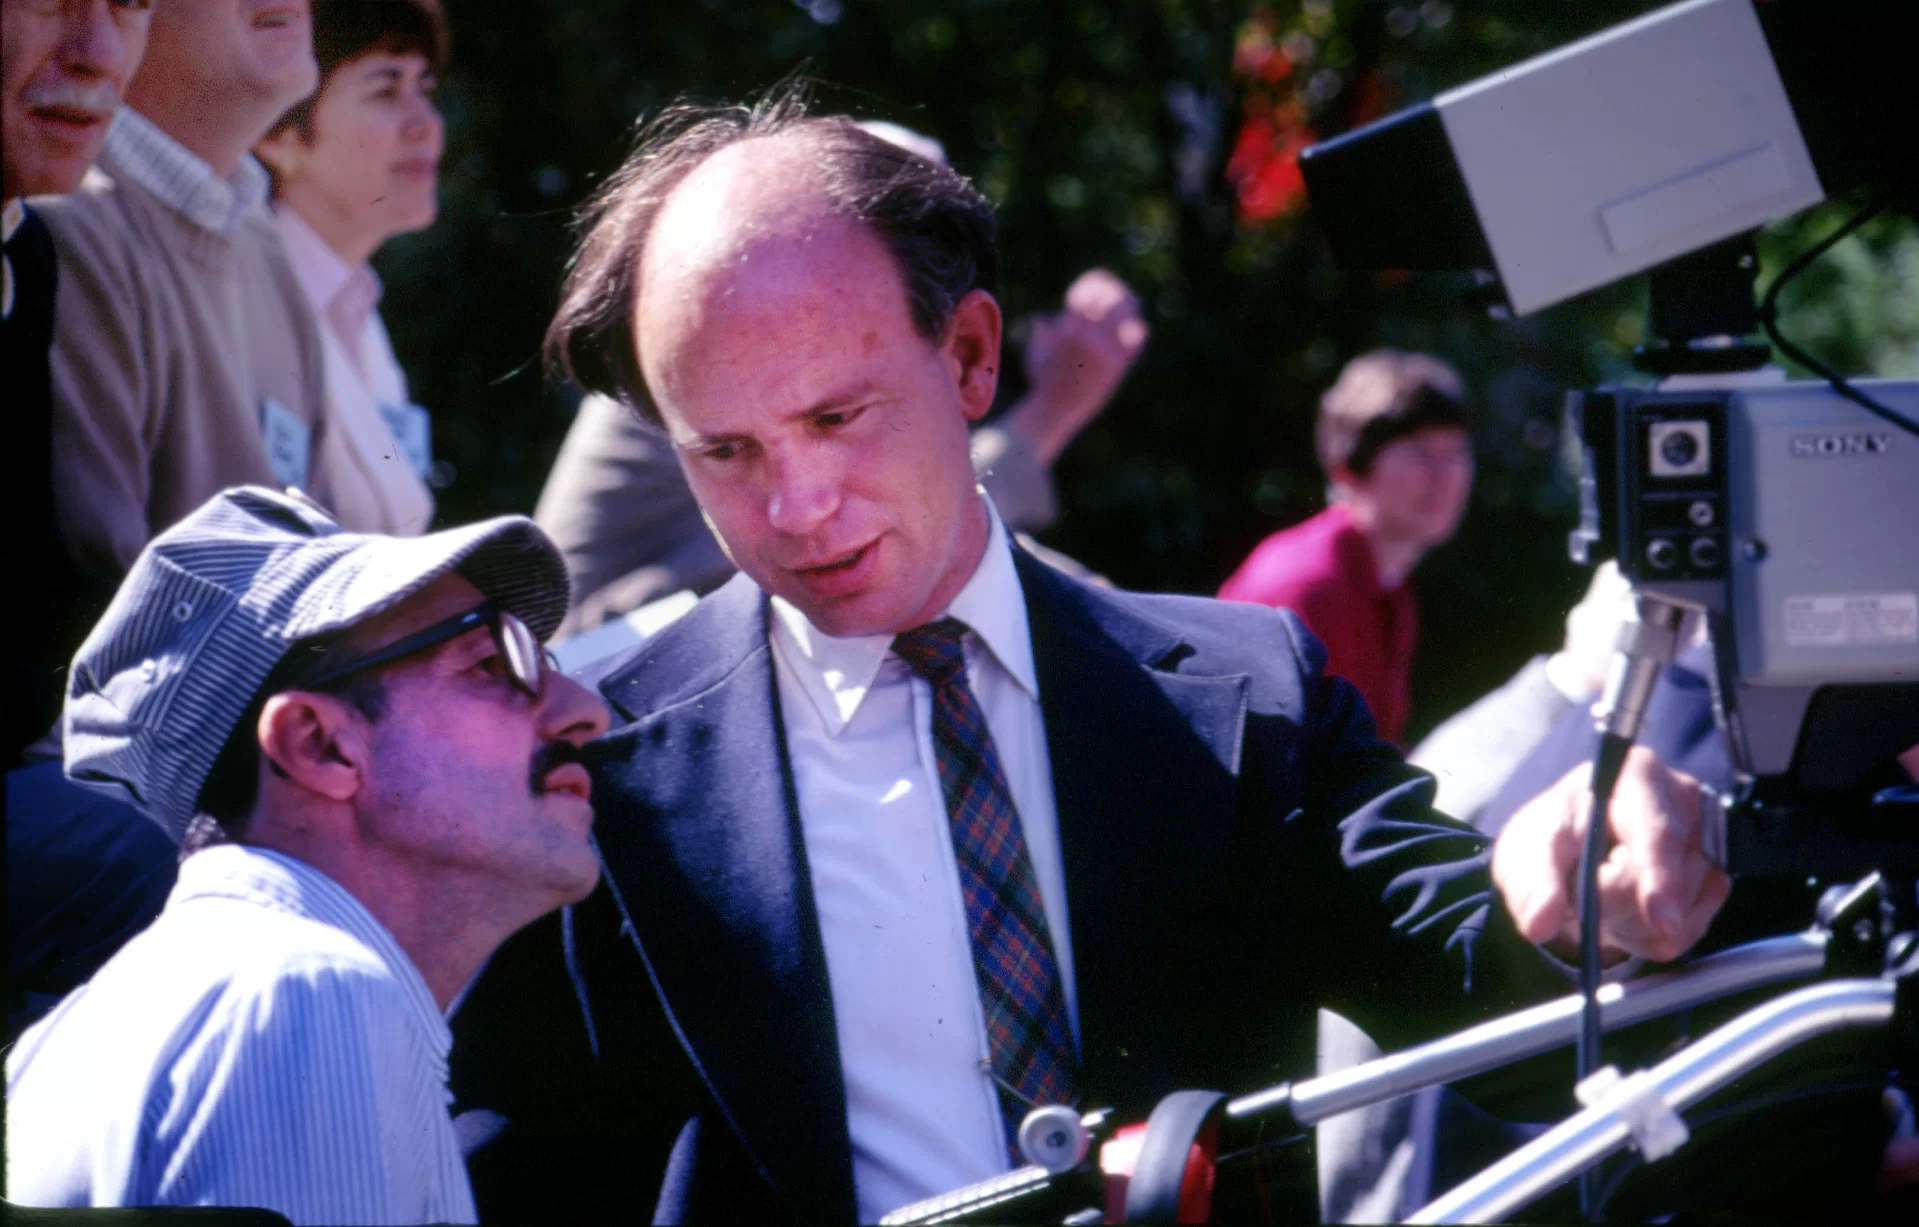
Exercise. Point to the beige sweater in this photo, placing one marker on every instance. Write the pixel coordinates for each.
(168, 341)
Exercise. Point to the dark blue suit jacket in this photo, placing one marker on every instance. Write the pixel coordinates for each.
(1239, 850)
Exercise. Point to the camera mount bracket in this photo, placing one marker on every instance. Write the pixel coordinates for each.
(1702, 310)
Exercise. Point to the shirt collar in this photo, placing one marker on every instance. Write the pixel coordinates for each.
(346, 295)
(274, 880)
(837, 673)
(137, 149)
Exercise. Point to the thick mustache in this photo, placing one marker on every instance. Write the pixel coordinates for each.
(98, 97)
(552, 755)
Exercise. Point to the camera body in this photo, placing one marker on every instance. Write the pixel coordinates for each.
(1789, 517)
(1783, 512)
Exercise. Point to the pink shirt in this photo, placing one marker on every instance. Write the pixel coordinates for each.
(374, 484)
(1324, 571)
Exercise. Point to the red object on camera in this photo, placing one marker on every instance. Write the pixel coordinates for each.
(1118, 1156)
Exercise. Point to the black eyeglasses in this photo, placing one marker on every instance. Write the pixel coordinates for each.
(526, 661)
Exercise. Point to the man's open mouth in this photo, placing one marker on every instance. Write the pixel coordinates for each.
(569, 778)
(836, 567)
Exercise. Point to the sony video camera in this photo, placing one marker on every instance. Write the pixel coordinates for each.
(1786, 512)
(1789, 516)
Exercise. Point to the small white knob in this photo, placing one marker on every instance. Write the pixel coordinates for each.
(1052, 1137)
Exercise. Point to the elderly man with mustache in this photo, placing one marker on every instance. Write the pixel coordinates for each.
(183, 360)
(75, 889)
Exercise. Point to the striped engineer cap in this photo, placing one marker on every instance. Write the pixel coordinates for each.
(214, 603)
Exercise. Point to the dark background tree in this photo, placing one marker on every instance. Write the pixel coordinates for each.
(1153, 136)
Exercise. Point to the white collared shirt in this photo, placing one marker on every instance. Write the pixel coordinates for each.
(137, 149)
(266, 1042)
(923, 1115)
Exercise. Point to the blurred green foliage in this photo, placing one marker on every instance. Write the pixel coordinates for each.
(1101, 128)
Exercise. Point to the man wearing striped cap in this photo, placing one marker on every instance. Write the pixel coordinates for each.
(376, 779)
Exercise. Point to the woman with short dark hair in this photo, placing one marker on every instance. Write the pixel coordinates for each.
(352, 166)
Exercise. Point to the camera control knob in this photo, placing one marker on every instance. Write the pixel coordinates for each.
(1700, 513)
(1704, 552)
(1053, 1137)
(1662, 554)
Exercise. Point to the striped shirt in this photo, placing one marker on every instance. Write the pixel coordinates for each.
(137, 149)
(265, 1043)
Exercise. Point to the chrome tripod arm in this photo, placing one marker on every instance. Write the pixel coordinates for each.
(1680, 1081)
(1541, 1028)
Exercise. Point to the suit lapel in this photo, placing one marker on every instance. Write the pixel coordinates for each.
(1145, 777)
(698, 829)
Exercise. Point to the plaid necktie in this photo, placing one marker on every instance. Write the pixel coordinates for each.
(1019, 984)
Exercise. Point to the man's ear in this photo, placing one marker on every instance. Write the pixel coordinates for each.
(972, 350)
(314, 741)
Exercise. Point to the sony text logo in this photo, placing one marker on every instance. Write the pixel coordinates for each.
(1855, 444)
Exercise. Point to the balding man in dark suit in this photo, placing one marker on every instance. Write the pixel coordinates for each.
(904, 833)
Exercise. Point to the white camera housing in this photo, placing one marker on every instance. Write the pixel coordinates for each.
(1685, 137)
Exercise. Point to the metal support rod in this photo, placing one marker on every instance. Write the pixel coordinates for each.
(1489, 1045)
(1738, 1047)
(1541, 1028)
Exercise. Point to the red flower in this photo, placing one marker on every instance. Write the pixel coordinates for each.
(1264, 166)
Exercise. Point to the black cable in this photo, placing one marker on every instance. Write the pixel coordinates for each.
(1607, 764)
(1769, 316)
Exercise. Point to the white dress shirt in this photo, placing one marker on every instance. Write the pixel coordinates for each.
(376, 486)
(923, 1114)
(265, 1042)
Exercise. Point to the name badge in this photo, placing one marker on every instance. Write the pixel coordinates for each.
(413, 430)
(289, 443)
